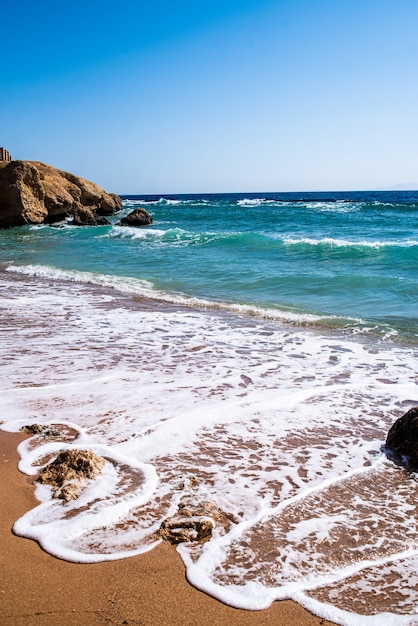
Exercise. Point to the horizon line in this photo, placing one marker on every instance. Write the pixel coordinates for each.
(225, 193)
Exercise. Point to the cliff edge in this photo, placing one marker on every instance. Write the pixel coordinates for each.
(34, 193)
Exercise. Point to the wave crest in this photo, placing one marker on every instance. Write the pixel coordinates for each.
(145, 289)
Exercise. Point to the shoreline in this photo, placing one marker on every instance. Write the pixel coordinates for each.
(150, 589)
(336, 327)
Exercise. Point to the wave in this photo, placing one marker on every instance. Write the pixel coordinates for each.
(173, 236)
(385, 329)
(130, 232)
(127, 202)
(344, 243)
(335, 206)
(318, 205)
(180, 236)
(124, 285)
(146, 289)
(258, 202)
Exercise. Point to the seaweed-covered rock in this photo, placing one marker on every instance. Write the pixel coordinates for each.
(137, 217)
(402, 438)
(69, 470)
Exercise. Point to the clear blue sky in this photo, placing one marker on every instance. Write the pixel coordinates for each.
(214, 95)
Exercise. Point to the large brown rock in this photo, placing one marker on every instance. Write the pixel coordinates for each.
(137, 217)
(402, 438)
(34, 193)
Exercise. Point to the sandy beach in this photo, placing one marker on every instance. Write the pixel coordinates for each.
(39, 590)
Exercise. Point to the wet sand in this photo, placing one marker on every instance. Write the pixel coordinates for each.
(37, 589)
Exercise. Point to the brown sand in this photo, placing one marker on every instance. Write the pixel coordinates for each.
(37, 589)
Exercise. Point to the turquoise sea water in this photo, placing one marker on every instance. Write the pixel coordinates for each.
(348, 257)
(247, 353)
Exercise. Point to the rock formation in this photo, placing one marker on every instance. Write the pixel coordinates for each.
(35, 193)
(193, 522)
(402, 438)
(40, 429)
(69, 470)
(137, 217)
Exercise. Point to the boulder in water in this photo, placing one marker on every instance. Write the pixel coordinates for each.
(137, 217)
(402, 438)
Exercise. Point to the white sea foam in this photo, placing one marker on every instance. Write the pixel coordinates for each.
(282, 427)
(160, 202)
(319, 206)
(334, 207)
(145, 288)
(253, 201)
(125, 285)
(163, 202)
(344, 243)
(135, 233)
(104, 501)
(172, 237)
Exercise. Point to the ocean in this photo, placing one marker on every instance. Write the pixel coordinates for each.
(247, 353)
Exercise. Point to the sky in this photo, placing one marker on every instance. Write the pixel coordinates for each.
(214, 95)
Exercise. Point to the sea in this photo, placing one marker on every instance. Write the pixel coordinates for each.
(246, 354)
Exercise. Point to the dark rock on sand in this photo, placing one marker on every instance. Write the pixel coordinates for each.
(402, 438)
(34, 193)
(137, 217)
(69, 470)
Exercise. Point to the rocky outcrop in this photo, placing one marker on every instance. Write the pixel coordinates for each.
(137, 217)
(402, 438)
(35, 193)
(68, 472)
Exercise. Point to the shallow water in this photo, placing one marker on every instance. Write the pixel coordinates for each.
(347, 260)
(281, 425)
